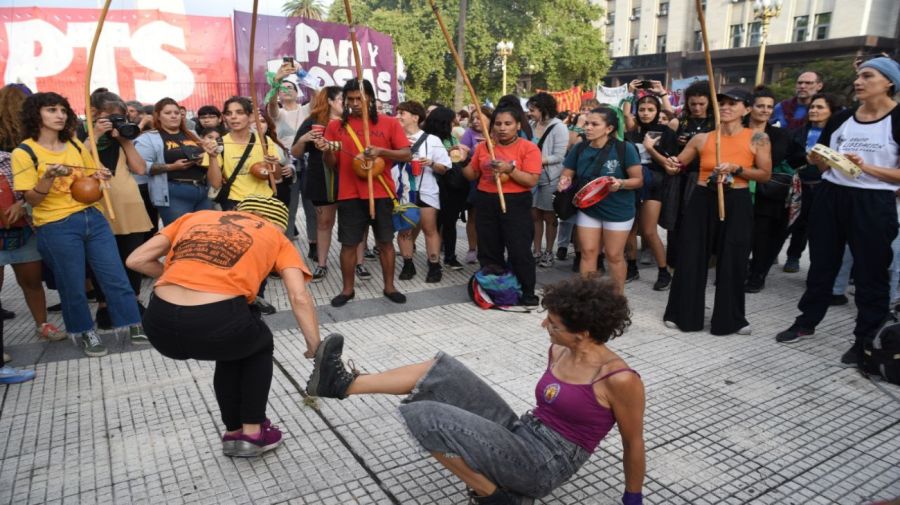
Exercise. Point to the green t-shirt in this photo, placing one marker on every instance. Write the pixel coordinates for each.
(618, 206)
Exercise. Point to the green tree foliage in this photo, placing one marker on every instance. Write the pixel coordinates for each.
(555, 40)
(311, 9)
(837, 75)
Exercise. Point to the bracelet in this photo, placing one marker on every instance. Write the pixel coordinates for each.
(39, 192)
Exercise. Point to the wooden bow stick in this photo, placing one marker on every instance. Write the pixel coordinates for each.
(89, 114)
(365, 105)
(720, 190)
(256, 109)
(485, 124)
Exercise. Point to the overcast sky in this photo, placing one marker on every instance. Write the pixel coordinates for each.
(197, 7)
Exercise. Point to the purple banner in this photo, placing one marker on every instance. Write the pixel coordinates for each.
(322, 49)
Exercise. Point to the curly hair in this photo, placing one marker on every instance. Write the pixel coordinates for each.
(543, 102)
(12, 132)
(31, 115)
(589, 303)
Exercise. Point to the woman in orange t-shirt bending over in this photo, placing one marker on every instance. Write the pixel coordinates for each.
(745, 155)
(202, 306)
(518, 162)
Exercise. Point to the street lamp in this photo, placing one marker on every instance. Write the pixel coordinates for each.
(764, 10)
(504, 49)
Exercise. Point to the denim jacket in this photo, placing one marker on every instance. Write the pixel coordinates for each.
(150, 146)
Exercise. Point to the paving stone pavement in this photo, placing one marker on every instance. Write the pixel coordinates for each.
(737, 419)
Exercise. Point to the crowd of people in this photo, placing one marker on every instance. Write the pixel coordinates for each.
(222, 188)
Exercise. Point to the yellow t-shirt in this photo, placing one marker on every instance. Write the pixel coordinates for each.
(58, 204)
(244, 184)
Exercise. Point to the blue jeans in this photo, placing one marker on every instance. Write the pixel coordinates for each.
(67, 246)
(452, 411)
(183, 199)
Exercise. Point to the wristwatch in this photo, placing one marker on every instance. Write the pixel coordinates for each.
(739, 170)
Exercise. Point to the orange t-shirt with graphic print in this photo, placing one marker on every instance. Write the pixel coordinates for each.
(226, 252)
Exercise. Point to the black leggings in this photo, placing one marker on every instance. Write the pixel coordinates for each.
(452, 204)
(232, 334)
(511, 233)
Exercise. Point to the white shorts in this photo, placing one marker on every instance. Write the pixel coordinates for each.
(585, 221)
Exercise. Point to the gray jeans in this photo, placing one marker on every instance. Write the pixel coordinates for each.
(453, 412)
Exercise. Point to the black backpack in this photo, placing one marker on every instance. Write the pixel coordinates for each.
(881, 356)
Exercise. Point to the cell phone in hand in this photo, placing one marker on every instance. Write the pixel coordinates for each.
(646, 84)
(288, 59)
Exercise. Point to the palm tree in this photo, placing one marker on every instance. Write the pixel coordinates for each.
(311, 9)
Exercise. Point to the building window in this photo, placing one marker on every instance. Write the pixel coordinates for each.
(754, 34)
(661, 44)
(611, 18)
(635, 47)
(635, 14)
(823, 23)
(698, 40)
(801, 28)
(663, 9)
(737, 35)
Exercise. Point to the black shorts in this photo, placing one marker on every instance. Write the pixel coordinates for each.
(653, 185)
(353, 218)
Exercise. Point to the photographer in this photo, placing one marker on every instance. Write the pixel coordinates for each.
(117, 152)
(172, 154)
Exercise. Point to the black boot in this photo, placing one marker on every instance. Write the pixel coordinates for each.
(408, 271)
(632, 273)
(330, 378)
(435, 273)
(500, 497)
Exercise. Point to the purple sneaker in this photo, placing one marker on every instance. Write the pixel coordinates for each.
(249, 447)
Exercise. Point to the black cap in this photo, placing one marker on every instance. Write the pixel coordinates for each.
(736, 94)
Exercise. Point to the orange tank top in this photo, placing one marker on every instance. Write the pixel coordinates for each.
(733, 149)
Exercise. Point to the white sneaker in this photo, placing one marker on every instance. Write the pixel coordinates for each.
(671, 325)
(744, 331)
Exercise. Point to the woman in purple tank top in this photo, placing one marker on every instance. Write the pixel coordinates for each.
(468, 428)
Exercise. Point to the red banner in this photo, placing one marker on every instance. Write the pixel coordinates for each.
(142, 55)
(568, 100)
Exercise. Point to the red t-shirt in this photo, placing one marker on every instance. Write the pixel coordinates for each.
(387, 134)
(526, 155)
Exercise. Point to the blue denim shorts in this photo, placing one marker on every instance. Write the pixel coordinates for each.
(25, 254)
(452, 411)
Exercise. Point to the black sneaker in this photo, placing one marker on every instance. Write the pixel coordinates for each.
(265, 307)
(851, 357)
(6, 314)
(453, 264)
(55, 308)
(663, 281)
(363, 273)
(104, 322)
(329, 378)
(793, 334)
(435, 273)
(632, 274)
(408, 271)
(320, 274)
(341, 299)
(369, 254)
(562, 253)
(754, 285)
(838, 300)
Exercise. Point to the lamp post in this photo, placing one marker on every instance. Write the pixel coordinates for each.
(764, 10)
(504, 49)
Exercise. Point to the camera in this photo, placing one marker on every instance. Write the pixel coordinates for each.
(126, 130)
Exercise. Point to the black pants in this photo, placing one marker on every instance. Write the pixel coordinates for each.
(512, 232)
(452, 205)
(770, 221)
(232, 334)
(866, 220)
(151, 211)
(701, 235)
(798, 229)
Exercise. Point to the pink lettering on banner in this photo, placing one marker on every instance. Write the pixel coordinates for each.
(142, 54)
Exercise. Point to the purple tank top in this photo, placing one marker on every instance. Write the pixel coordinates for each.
(572, 409)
